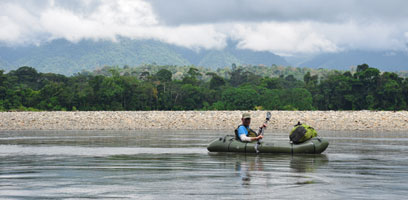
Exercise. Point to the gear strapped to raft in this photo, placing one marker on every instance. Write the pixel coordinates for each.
(301, 133)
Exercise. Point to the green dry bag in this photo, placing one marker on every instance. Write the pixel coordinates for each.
(301, 133)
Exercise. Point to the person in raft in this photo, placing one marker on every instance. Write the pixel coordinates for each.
(244, 133)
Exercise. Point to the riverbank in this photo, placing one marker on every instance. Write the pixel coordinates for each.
(209, 120)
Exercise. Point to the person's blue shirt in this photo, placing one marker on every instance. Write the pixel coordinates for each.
(242, 130)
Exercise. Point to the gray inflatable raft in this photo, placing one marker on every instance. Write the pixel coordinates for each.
(228, 143)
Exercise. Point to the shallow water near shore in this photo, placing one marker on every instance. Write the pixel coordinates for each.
(177, 165)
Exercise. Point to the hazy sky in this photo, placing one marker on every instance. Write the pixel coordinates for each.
(284, 27)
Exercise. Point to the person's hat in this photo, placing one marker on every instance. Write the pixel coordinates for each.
(246, 116)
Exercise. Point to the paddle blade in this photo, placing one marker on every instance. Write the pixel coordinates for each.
(268, 116)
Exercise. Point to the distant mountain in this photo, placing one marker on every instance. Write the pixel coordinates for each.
(229, 55)
(61, 56)
(3, 63)
(385, 61)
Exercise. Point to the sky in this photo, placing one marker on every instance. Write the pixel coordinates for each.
(283, 27)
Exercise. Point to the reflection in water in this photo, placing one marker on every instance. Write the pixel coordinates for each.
(176, 165)
(308, 163)
(246, 165)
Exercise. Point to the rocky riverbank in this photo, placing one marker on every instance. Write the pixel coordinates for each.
(216, 120)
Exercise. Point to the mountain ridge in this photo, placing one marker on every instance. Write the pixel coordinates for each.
(61, 56)
(64, 57)
(383, 60)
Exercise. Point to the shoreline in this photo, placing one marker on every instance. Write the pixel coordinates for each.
(202, 120)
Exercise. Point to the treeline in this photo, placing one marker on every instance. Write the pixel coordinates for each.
(238, 89)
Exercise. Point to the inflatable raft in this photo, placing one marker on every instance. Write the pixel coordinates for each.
(228, 143)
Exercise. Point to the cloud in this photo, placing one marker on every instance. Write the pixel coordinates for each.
(289, 38)
(375, 35)
(17, 25)
(282, 38)
(108, 20)
(284, 27)
(215, 11)
(9, 31)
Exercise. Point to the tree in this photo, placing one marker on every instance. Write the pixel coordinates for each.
(26, 76)
(239, 98)
(240, 89)
(144, 76)
(83, 92)
(299, 99)
(143, 96)
(191, 98)
(336, 93)
(390, 92)
(362, 67)
(50, 96)
(164, 75)
(239, 77)
(216, 81)
(365, 85)
(271, 99)
(193, 72)
(272, 83)
(310, 80)
(405, 92)
(3, 88)
(191, 77)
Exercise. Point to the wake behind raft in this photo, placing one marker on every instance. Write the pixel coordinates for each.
(228, 143)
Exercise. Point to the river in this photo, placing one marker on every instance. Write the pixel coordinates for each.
(176, 165)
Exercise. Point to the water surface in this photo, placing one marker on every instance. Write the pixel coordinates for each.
(177, 165)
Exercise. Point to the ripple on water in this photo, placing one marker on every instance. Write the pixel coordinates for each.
(176, 165)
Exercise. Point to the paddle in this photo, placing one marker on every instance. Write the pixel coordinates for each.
(261, 130)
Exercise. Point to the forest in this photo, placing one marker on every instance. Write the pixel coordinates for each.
(153, 87)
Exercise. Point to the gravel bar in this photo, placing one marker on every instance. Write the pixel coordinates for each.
(202, 120)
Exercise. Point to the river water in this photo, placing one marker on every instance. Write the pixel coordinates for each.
(176, 165)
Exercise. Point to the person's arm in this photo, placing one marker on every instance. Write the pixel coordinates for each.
(245, 138)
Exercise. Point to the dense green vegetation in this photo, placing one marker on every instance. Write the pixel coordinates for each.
(152, 87)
